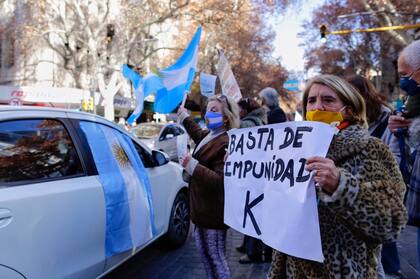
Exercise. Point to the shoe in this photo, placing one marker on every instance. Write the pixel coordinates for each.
(241, 249)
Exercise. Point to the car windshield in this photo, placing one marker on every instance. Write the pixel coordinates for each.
(146, 131)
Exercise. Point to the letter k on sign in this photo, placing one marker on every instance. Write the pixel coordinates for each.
(247, 211)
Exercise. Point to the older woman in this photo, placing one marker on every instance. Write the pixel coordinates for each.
(206, 188)
(360, 189)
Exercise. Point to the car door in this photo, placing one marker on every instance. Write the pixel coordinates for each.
(126, 188)
(51, 210)
(163, 181)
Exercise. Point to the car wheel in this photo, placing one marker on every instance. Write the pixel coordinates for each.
(179, 222)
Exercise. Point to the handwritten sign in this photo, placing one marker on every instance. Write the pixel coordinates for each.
(268, 192)
(227, 80)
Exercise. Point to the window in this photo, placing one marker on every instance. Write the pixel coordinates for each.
(179, 131)
(145, 156)
(169, 130)
(36, 149)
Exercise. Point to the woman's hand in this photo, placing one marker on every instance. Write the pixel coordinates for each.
(326, 174)
(184, 159)
(226, 155)
(182, 113)
(181, 110)
(397, 121)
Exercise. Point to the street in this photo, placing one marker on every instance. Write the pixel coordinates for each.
(184, 263)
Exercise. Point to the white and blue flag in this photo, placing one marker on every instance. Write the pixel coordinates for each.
(143, 87)
(177, 79)
(169, 84)
(126, 186)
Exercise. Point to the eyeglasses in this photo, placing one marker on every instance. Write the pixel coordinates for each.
(223, 98)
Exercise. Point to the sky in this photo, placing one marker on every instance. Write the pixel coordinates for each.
(286, 43)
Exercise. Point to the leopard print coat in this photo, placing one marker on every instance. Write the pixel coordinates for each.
(365, 210)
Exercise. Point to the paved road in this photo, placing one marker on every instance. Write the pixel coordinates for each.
(408, 253)
(156, 262)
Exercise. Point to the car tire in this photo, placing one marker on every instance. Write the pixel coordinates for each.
(179, 222)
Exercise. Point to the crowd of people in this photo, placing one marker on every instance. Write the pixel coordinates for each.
(365, 186)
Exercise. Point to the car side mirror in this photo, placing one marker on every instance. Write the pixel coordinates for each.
(160, 158)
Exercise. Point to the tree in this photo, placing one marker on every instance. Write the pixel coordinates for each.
(361, 53)
(240, 28)
(93, 38)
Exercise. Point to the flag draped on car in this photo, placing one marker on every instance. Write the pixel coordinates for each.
(126, 187)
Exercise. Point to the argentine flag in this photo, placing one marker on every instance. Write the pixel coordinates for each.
(169, 84)
(143, 87)
(177, 79)
(127, 190)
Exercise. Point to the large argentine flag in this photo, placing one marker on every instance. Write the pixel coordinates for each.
(177, 79)
(126, 187)
(143, 87)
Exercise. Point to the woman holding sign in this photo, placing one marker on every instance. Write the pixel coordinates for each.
(360, 189)
(206, 188)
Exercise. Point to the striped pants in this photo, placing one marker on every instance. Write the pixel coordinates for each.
(211, 245)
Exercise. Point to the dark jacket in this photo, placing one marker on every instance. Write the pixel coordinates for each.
(276, 115)
(206, 187)
(256, 117)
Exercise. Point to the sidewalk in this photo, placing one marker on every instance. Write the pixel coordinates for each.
(407, 247)
(157, 262)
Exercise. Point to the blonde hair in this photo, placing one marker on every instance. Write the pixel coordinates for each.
(230, 110)
(345, 91)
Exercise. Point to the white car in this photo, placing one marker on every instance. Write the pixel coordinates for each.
(79, 195)
(163, 137)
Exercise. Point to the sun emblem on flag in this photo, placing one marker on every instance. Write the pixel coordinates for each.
(120, 155)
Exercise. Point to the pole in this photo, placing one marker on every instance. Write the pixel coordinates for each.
(184, 100)
(374, 29)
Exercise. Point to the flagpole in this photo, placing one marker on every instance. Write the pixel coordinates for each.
(184, 99)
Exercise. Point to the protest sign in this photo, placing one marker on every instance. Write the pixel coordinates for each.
(207, 84)
(228, 82)
(182, 145)
(268, 192)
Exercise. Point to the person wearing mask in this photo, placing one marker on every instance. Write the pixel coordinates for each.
(206, 186)
(359, 188)
(377, 117)
(252, 114)
(405, 126)
(270, 99)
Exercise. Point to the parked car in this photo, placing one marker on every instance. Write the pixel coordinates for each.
(79, 195)
(163, 137)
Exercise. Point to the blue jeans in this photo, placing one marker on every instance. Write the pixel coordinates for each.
(390, 258)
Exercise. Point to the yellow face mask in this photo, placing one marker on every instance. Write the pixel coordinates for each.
(329, 117)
